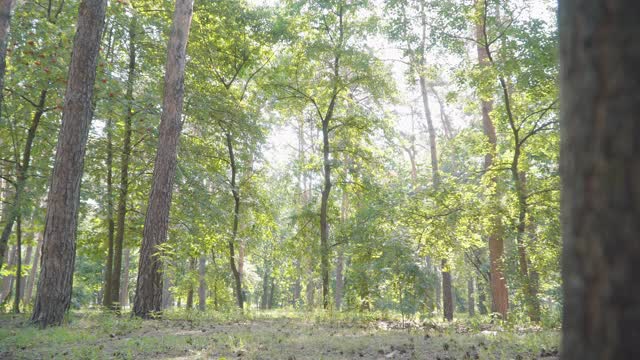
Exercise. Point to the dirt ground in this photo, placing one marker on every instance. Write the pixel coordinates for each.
(289, 338)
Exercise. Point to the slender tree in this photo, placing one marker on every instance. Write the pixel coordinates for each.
(58, 255)
(497, 280)
(148, 297)
(600, 172)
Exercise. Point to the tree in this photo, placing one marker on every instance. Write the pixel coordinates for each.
(58, 255)
(497, 280)
(600, 177)
(148, 298)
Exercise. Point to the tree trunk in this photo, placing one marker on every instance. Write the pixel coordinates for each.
(202, 288)
(5, 21)
(28, 259)
(236, 215)
(124, 282)
(498, 282)
(340, 260)
(124, 167)
(192, 266)
(600, 172)
(34, 271)
(148, 298)
(58, 254)
(107, 301)
(447, 293)
(265, 288)
(16, 302)
(471, 302)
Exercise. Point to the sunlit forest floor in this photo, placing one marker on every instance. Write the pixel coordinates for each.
(270, 335)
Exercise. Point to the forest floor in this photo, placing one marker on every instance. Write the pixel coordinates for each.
(268, 335)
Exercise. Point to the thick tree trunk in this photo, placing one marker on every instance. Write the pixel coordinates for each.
(234, 231)
(34, 271)
(124, 282)
(498, 282)
(124, 168)
(58, 254)
(600, 171)
(148, 298)
(202, 287)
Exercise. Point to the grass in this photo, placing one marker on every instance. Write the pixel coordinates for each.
(268, 335)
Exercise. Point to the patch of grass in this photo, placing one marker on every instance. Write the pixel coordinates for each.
(268, 335)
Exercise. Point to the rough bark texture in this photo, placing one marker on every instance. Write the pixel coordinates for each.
(148, 298)
(124, 168)
(600, 171)
(447, 293)
(58, 254)
(498, 282)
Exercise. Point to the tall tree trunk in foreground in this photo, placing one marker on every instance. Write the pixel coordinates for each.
(235, 191)
(124, 167)
(148, 298)
(600, 171)
(58, 254)
(498, 282)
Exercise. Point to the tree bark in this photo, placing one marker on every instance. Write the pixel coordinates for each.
(56, 275)
(498, 282)
(124, 166)
(600, 173)
(447, 293)
(148, 298)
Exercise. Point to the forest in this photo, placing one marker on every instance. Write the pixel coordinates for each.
(318, 179)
